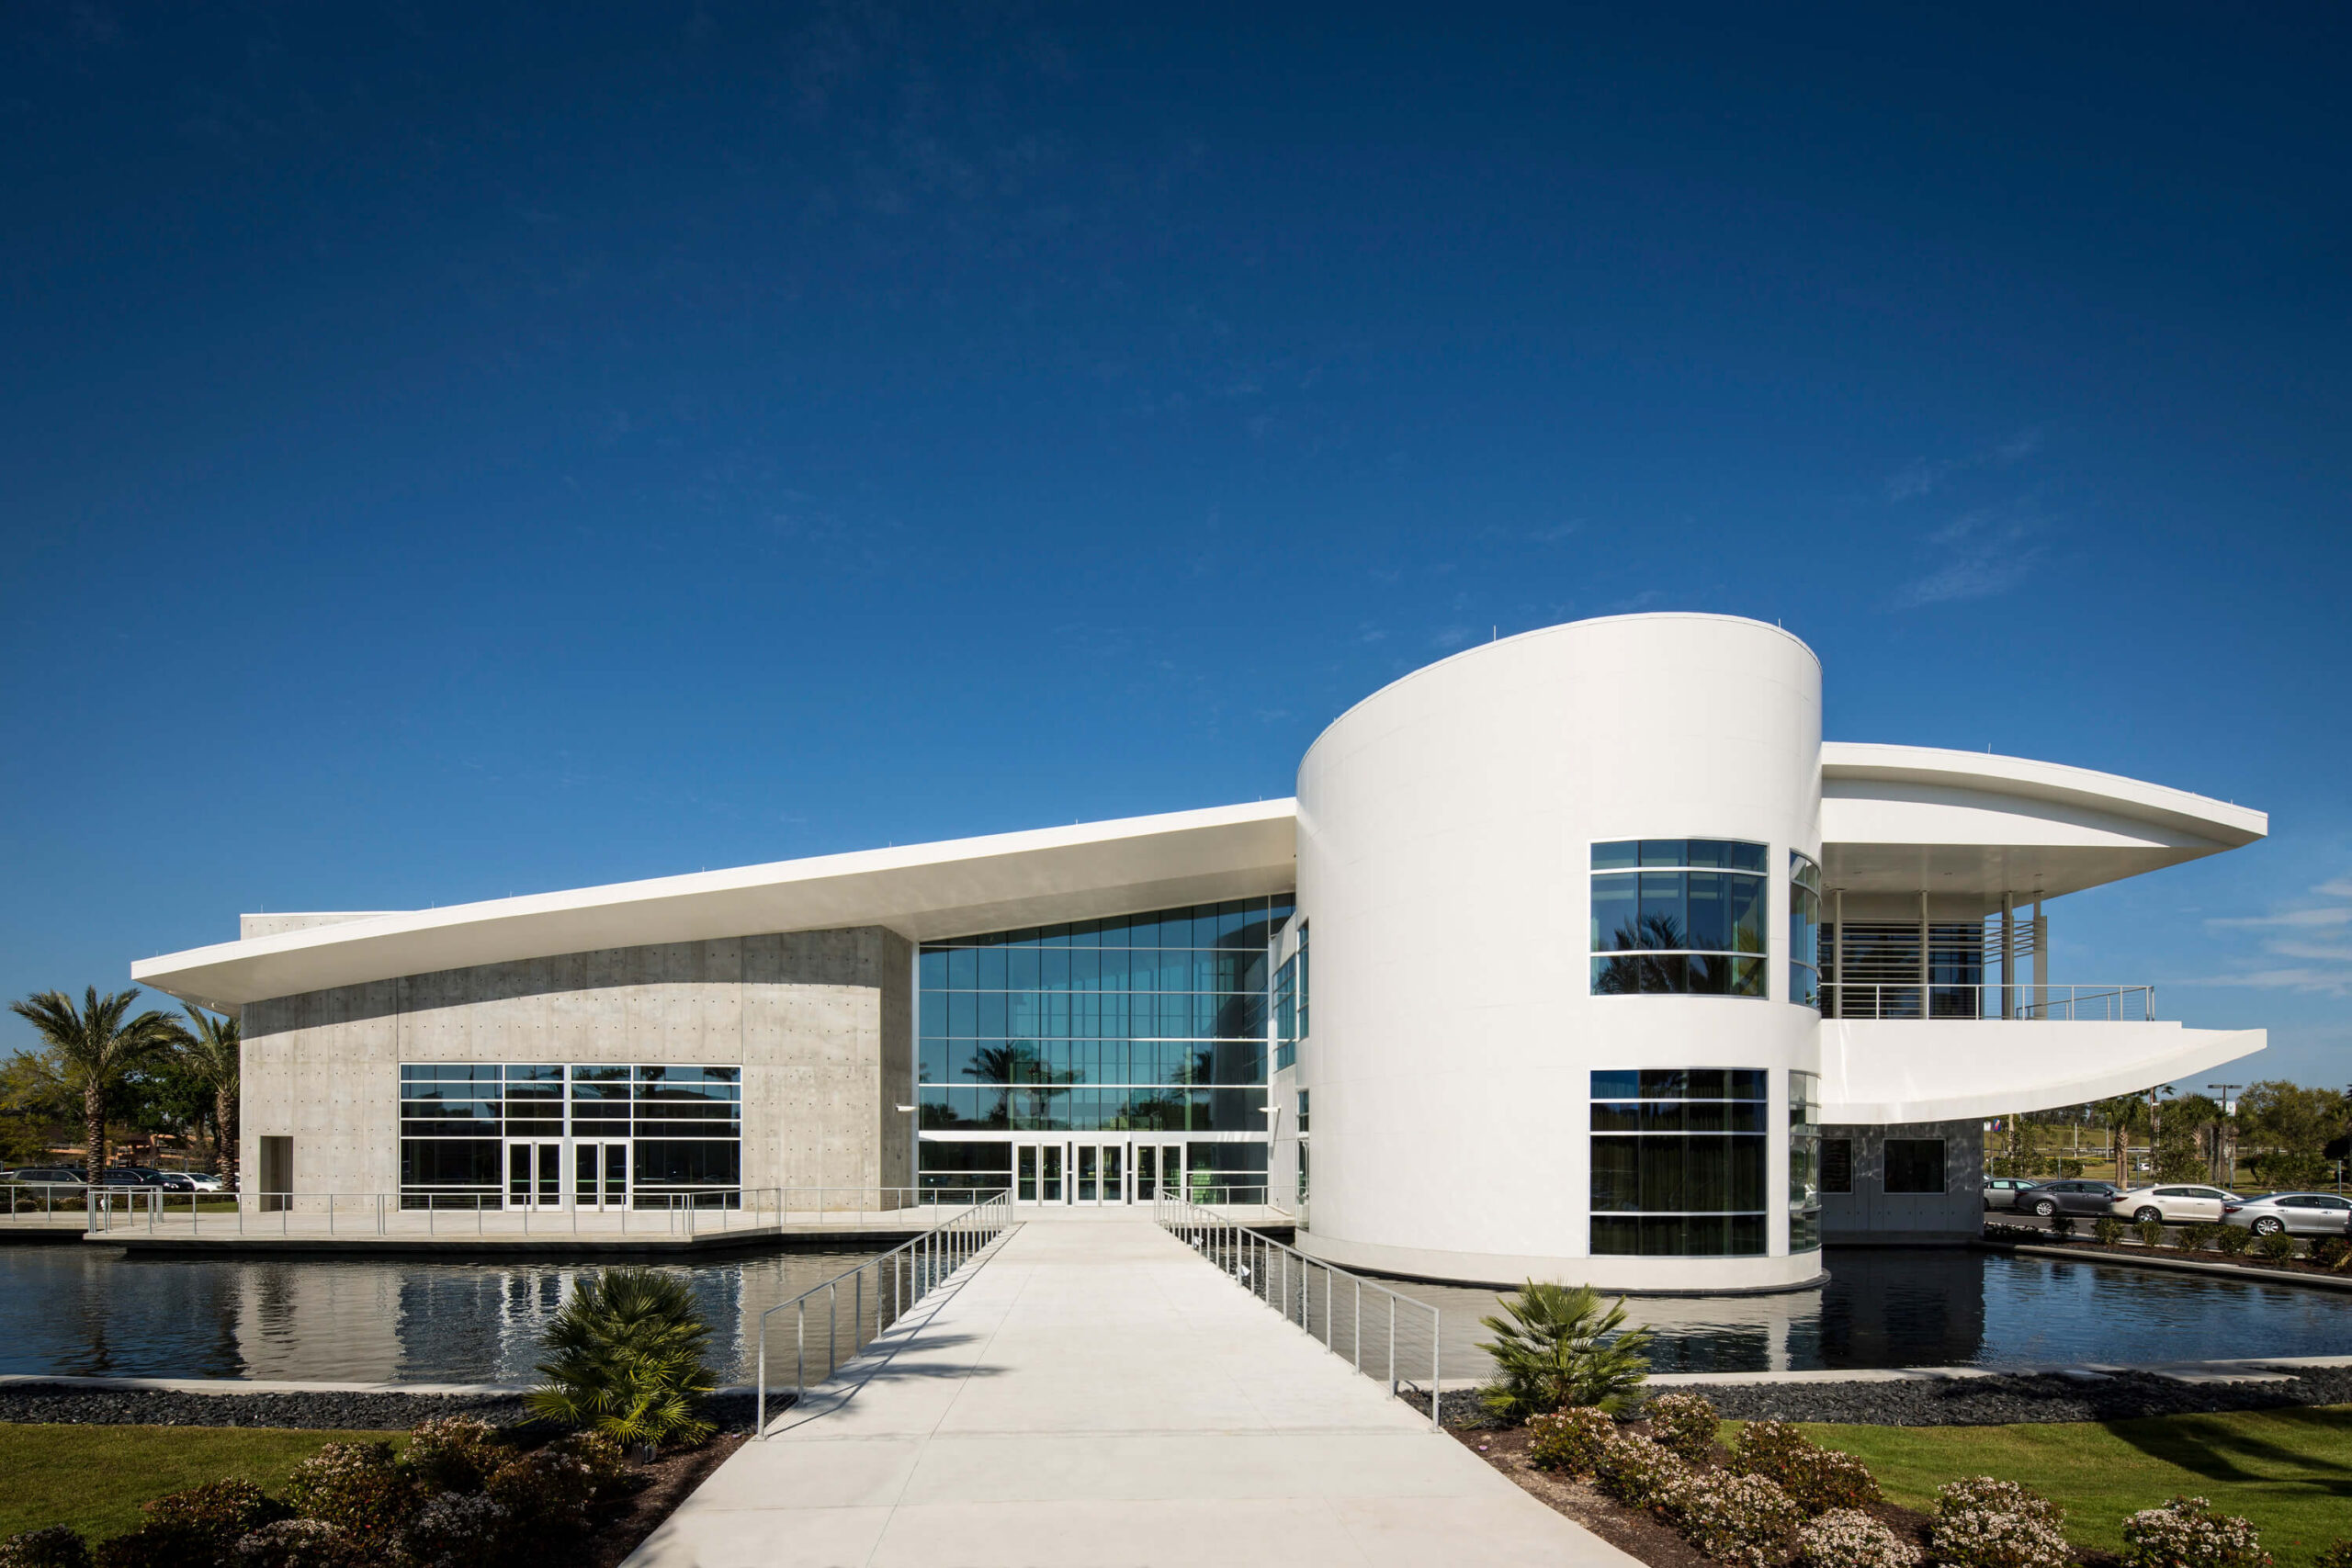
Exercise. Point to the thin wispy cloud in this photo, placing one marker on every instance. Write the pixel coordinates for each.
(1978, 554)
(2308, 948)
(1925, 476)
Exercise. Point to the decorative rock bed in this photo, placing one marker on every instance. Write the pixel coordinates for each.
(321, 1411)
(1999, 1399)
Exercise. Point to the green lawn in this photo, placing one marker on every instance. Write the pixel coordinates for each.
(2289, 1471)
(94, 1478)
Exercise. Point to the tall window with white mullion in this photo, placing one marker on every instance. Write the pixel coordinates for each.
(1678, 1162)
(1804, 1163)
(1678, 916)
(1804, 931)
(1286, 1012)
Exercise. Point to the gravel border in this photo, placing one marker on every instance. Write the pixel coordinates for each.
(1999, 1400)
(315, 1412)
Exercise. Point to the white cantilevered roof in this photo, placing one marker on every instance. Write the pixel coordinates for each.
(921, 891)
(1971, 826)
(1964, 826)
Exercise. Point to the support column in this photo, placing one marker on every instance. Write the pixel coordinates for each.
(1838, 953)
(2008, 955)
(2040, 960)
(1924, 971)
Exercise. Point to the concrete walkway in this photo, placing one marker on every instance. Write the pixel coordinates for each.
(1094, 1393)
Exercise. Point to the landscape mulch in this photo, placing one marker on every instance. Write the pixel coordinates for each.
(669, 1482)
(1636, 1532)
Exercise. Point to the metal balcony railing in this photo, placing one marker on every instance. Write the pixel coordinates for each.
(901, 1276)
(1886, 999)
(1285, 1279)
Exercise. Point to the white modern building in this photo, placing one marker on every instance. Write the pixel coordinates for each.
(1578, 955)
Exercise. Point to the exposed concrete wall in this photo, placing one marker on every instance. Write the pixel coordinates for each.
(821, 1022)
(1870, 1213)
(252, 926)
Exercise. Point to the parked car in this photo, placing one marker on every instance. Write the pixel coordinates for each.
(203, 1181)
(2048, 1198)
(2178, 1205)
(47, 1175)
(2001, 1191)
(132, 1176)
(2297, 1213)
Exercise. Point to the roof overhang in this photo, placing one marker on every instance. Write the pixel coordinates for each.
(924, 892)
(1967, 827)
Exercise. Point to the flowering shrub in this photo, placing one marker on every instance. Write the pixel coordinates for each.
(56, 1547)
(302, 1543)
(1984, 1523)
(1636, 1471)
(546, 1493)
(455, 1453)
(1818, 1479)
(607, 1465)
(2187, 1533)
(1686, 1423)
(1848, 1538)
(1569, 1441)
(1736, 1519)
(219, 1511)
(150, 1547)
(458, 1532)
(356, 1487)
(2337, 1556)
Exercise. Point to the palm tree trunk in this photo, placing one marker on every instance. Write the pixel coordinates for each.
(94, 1130)
(224, 1131)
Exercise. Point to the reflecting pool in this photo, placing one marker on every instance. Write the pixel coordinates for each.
(84, 1310)
(1943, 1307)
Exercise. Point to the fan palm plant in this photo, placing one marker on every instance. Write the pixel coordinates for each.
(627, 1360)
(1560, 1347)
(93, 1046)
(212, 1048)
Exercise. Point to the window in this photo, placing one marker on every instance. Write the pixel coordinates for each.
(1804, 1164)
(674, 1128)
(1678, 1161)
(1148, 1022)
(1804, 931)
(1286, 1010)
(1302, 1111)
(1914, 1164)
(1678, 916)
(1837, 1165)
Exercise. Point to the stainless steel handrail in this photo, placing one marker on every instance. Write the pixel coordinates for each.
(915, 1266)
(1898, 1000)
(1260, 1264)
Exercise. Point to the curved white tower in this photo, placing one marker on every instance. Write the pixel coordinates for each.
(1448, 826)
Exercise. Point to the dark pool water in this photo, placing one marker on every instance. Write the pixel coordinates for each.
(82, 1310)
(1958, 1307)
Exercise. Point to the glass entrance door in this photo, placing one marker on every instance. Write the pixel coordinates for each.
(1037, 1174)
(600, 1176)
(533, 1176)
(1160, 1171)
(1101, 1173)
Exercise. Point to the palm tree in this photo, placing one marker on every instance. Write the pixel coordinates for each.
(2124, 1114)
(626, 1358)
(95, 1047)
(212, 1048)
(1560, 1347)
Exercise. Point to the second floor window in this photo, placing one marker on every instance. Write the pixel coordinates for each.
(1678, 916)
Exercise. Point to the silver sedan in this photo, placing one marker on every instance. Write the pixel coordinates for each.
(2297, 1213)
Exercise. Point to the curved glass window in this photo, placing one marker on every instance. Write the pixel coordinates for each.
(1804, 931)
(1804, 1164)
(1678, 916)
(1678, 1161)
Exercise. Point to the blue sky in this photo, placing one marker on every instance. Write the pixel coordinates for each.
(442, 457)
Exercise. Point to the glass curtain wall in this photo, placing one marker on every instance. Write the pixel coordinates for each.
(1678, 1159)
(1678, 916)
(1153, 1022)
(675, 1130)
(1804, 1163)
(1804, 931)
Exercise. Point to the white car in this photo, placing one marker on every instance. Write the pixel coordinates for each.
(205, 1182)
(2181, 1204)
